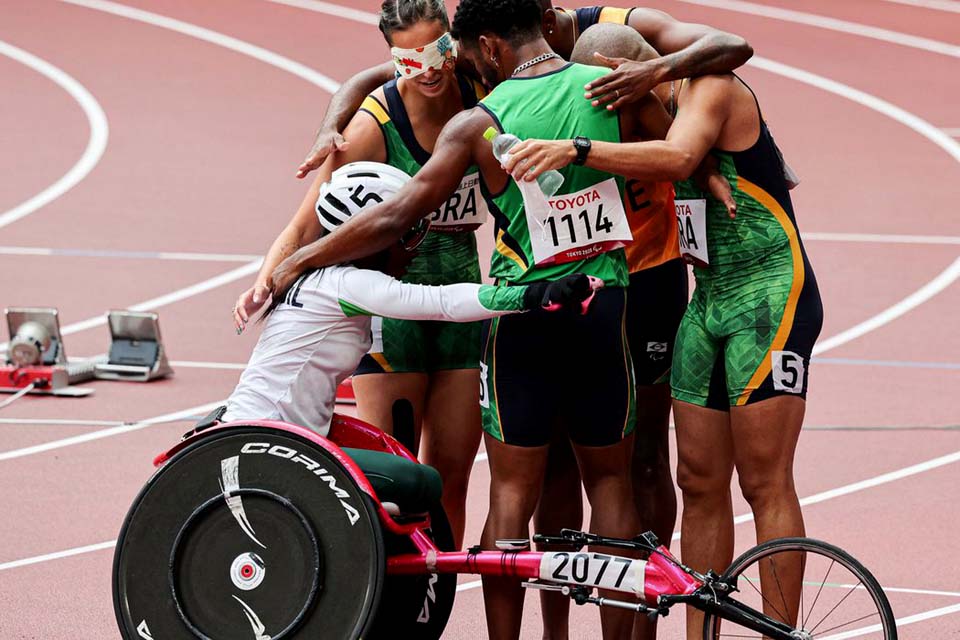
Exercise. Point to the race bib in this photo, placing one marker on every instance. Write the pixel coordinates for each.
(575, 226)
(465, 210)
(692, 228)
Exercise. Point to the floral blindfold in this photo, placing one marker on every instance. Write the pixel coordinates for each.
(438, 54)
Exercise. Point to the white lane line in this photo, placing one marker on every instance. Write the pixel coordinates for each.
(133, 255)
(939, 5)
(96, 144)
(112, 431)
(883, 238)
(869, 483)
(192, 364)
(904, 364)
(832, 24)
(911, 121)
(333, 10)
(914, 300)
(900, 622)
(228, 42)
(214, 37)
(167, 298)
(819, 497)
(63, 422)
(100, 546)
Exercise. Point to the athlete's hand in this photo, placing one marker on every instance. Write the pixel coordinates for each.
(570, 293)
(529, 158)
(283, 277)
(627, 83)
(249, 302)
(326, 143)
(708, 177)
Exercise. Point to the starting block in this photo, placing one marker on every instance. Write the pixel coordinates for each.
(136, 350)
(37, 360)
(36, 356)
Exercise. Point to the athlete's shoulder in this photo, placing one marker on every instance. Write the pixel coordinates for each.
(375, 106)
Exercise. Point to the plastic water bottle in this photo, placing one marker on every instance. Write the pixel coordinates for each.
(549, 181)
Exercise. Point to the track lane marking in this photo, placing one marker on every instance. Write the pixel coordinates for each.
(175, 416)
(832, 24)
(214, 37)
(938, 5)
(161, 301)
(329, 8)
(186, 256)
(888, 315)
(96, 143)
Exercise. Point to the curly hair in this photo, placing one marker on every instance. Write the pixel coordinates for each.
(396, 15)
(516, 21)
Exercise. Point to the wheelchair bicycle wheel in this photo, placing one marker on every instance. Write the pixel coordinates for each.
(838, 597)
(417, 607)
(249, 532)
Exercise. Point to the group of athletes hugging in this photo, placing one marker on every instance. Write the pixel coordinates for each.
(667, 160)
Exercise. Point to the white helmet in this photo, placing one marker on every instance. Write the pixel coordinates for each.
(354, 187)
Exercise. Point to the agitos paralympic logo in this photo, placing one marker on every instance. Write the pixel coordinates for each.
(311, 465)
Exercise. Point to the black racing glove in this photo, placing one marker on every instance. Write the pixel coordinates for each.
(570, 293)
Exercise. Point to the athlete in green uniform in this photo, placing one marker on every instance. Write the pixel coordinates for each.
(541, 374)
(430, 363)
(740, 367)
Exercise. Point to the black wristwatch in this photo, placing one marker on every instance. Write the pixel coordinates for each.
(582, 145)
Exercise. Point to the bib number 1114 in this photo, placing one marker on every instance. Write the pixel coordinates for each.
(580, 221)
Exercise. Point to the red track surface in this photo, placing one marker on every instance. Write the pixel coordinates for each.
(203, 145)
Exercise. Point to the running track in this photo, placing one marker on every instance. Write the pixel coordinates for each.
(127, 134)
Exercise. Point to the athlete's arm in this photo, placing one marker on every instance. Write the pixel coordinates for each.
(687, 50)
(643, 120)
(375, 228)
(366, 292)
(694, 132)
(304, 227)
(343, 105)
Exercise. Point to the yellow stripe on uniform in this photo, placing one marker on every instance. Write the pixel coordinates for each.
(786, 322)
(612, 14)
(507, 252)
(479, 89)
(376, 109)
(382, 361)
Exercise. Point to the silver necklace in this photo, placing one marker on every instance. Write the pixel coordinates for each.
(543, 57)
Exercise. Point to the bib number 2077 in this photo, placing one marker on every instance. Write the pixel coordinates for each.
(593, 570)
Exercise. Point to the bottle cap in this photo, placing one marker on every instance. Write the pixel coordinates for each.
(490, 134)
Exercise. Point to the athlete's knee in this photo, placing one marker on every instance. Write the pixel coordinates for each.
(701, 481)
(763, 489)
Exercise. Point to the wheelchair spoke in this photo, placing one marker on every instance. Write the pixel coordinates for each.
(847, 595)
(803, 624)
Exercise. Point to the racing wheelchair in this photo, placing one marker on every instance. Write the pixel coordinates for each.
(267, 530)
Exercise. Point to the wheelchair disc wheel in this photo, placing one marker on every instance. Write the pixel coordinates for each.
(417, 607)
(249, 532)
(838, 597)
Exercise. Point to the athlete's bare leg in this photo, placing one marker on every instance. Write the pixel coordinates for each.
(376, 393)
(704, 471)
(516, 475)
(765, 438)
(560, 506)
(653, 486)
(450, 437)
(612, 512)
